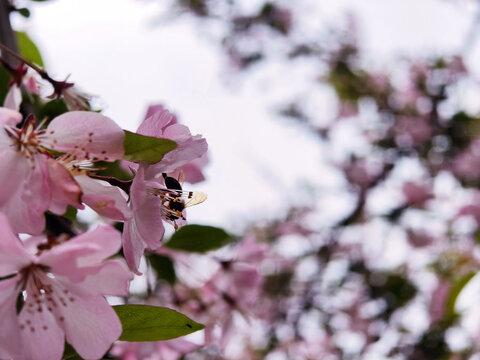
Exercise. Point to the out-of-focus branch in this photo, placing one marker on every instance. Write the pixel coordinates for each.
(7, 35)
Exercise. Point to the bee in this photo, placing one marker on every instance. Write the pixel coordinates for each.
(175, 199)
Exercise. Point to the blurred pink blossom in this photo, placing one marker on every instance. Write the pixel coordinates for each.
(416, 194)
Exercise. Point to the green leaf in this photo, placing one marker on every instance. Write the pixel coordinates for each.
(4, 80)
(28, 49)
(198, 238)
(24, 12)
(113, 169)
(71, 213)
(146, 148)
(50, 109)
(153, 323)
(164, 267)
(456, 288)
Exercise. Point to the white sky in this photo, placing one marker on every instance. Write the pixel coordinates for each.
(258, 164)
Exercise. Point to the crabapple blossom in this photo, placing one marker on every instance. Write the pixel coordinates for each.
(163, 124)
(62, 286)
(145, 228)
(32, 180)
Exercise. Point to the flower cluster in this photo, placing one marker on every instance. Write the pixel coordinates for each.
(54, 275)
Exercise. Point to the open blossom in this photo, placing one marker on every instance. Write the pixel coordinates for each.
(144, 230)
(163, 124)
(32, 181)
(62, 288)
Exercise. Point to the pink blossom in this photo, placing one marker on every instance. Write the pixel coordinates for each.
(466, 164)
(62, 287)
(420, 238)
(32, 181)
(105, 199)
(147, 194)
(165, 350)
(416, 194)
(412, 131)
(164, 124)
(472, 210)
(192, 171)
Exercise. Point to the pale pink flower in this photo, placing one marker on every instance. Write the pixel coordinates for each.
(62, 288)
(466, 164)
(192, 171)
(412, 131)
(163, 124)
(471, 210)
(419, 239)
(144, 230)
(31, 181)
(105, 199)
(165, 350)
(416, 194)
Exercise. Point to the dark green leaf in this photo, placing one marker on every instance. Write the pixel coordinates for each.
(153, 323)
(113, 169)
(28, 49)
(24, 12)
(4, 80)
(71, 213)
(51, 109)
(164, 267)
(146, 148)
(198, 238)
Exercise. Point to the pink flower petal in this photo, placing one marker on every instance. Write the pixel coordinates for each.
(10, 341)
(13, 98)
(13, 255)
(9, 116)
(85, 250)
(65, 190)
(43, 339)
(26, 205)
(147, 212)
(31, 84)
(91, 325)
(110, 278)
(181, 155)
(14, 169)
(105, 199)
(155, 124)
(152, 109)
(87, 135)
(133, 245)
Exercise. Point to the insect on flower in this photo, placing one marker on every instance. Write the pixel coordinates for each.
(175, 199)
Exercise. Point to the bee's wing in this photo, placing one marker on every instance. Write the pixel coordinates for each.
(195, 197)
(190, 198)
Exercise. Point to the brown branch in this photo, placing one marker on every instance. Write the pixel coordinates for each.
(7, 35)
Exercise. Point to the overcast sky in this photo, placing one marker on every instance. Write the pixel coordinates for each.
(259, 164)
